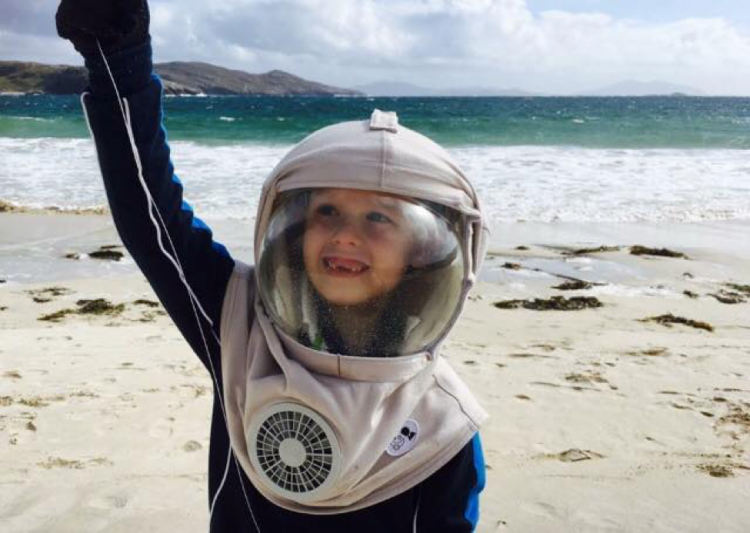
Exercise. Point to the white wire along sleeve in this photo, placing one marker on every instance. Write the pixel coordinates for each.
(175, 261)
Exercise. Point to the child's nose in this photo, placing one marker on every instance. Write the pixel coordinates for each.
(347, 234)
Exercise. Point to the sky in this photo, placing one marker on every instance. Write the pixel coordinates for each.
(546, 46)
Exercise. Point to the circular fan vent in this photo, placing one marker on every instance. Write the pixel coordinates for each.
(294, 450)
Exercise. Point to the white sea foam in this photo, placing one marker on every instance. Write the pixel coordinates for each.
(549, 184)
(539, 184)
(33, 119)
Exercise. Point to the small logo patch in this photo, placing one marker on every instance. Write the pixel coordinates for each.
(405, 440)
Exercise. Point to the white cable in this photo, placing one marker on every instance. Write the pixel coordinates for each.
(221, 486)
(194, 302)
(416, 511)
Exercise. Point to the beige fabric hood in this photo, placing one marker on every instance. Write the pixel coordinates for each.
(383, 425)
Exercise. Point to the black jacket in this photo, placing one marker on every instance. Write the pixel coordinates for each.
(446, 502)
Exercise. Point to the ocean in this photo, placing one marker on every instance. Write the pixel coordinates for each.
(545, 160)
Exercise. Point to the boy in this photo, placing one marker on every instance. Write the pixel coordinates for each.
(332, 409)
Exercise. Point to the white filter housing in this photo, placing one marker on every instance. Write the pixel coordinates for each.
(295, 450)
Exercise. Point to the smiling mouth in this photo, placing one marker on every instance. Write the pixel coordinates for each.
(343, 266)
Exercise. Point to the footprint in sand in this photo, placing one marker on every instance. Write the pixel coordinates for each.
(115, 501)
(192, 446)
(543, 509)
(161, 429)
(573, 455)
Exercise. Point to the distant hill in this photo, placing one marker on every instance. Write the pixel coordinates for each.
(20, 77)
(641, 88)
(193, 78)
(387, 88)
(178, 78)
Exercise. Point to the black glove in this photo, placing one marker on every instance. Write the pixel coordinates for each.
(117, 24)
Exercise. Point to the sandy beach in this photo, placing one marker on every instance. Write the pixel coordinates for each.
(629, 412)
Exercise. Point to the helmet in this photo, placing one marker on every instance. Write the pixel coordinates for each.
(368, 239)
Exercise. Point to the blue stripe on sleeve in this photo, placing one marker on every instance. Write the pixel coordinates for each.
(197, 223)
(472, 507)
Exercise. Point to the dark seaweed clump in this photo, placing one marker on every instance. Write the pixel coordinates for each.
(98, 306)
(106, 252)
(147, 303)
(729, 297)
(575, 285)
(45, 295)
(690, 294)
(556, 303)
(669, 319)
(511, 266)
(7, 207)
(106, 255)
(745, 289)
(659, 252)
(598, 249)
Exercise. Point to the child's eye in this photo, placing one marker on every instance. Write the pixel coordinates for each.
(378, 217)
(327, 210)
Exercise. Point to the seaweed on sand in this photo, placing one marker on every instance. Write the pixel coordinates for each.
(745, 289)
(690, 294)
(716, 470)
(147, 303)
(107, 252)
(596, 250)
(659, 252)
(7, 207)
(555, 303)
(98, 306)
(106, 255)
(48, 293)
(575, 285)
(729, 297)
(669, 319)
(57, 316)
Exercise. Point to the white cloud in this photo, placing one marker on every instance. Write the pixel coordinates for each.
(438, 42)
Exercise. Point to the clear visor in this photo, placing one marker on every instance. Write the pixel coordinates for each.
(361, 273)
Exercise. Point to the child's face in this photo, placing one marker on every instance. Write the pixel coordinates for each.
(356, 245)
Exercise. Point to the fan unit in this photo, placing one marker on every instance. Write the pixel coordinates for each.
(294, 450)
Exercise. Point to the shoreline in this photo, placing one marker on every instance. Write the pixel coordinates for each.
(30, 243)
(11, 207)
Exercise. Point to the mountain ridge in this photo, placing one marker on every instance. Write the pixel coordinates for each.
(398, 89)
(179, 78)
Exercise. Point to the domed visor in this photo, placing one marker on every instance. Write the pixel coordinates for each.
(361, 273)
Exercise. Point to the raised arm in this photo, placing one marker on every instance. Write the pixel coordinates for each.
(132, 164)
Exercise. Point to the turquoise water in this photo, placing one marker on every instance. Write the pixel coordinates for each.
(617, 122)
(548, 160)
